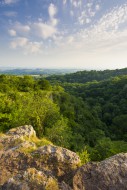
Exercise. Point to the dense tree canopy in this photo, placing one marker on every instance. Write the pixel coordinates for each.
(87, 76)
(89, 118)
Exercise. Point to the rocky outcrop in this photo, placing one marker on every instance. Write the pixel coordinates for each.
(110, 174)
(15, 136)
(44, 166)
(25, 166)
(22, 131)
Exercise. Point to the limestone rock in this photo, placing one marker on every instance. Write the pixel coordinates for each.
(15, 160)
(110, 174)
(31, 179)
(16, 136)
(59, 154)
(22, 131)
(59, 160)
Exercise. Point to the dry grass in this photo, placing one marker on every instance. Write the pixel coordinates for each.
(38, 142)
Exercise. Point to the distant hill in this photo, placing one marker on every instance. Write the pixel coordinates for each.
(38, 71)
(87, 76)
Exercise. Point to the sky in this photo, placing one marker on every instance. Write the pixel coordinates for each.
(88, 34)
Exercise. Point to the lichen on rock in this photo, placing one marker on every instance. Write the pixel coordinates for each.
(25, 166)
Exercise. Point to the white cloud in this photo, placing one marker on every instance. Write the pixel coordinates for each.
(113, 20)
(52, 10)
(64, 2)
(12, 32)
(54, 22)
(26, 45)
(33, 47)
(49, 29)
(19, 42)
(85, 18)
(20, 29)
(8, 2)
(44, 30)
(88, 12)
(76, 3)
(80, 38)
(108, 35)
(34, 30)
(89, 5)
(88, 20)
(38, 29)
(97, 7)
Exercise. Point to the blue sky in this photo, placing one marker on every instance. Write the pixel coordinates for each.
(89, 34)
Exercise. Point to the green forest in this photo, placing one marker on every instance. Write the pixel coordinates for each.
(85, 112)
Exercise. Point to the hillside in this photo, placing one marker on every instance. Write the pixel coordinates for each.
(108, 99)
(89, 119)
(87, 76)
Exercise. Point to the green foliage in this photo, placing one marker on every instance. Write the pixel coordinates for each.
(25, 105)
(107, 100)
(102, 150)
(74, 115)
(59, 133)
(104, 114)
(44, 84)
(87, 76)
(94, 136)
(84, 156)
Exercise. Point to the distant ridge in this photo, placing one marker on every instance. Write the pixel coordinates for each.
(88, 76)
(36, 71)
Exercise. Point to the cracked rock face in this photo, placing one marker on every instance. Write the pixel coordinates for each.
(41, 168)
(110, 174)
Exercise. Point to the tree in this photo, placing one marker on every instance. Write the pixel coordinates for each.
(102, 150)
(44, 84)
(60, 134)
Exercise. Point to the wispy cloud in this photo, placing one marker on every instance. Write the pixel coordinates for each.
(105, 35)
(12, 32)
(52, 10)
(64, 2)
(76, 3)
(9, 2)
(26, 45)
(20, 29)
(43, 30)
(37, 29)
(102, 35)
(19, 42)
(89, 11)
(10, 13)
